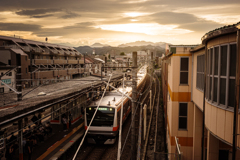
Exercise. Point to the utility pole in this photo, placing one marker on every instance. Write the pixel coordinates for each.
(19, 77)
(84, 63)
(20, 138)
(105, 66)
(120, 130)
(31, 83)
(151, 71)
(134, 104)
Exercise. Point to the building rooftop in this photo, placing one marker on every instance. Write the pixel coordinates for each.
(194, 45)
(10, 107)
(220, 31)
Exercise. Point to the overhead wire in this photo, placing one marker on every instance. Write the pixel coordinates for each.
(92, 119)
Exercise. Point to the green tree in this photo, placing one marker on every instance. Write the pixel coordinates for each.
(122, 54)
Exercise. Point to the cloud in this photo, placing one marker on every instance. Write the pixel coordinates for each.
(38, 13)
(70, 14)
(42, 16)
(201, 26)
(19, 27)
(173, 18)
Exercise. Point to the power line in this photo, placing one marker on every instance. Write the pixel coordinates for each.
(91, 119)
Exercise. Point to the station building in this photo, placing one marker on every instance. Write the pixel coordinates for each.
(192, 107)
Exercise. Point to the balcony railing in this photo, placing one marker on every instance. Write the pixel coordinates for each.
(38, 50)
(81, 61)
(72, 71)
(26, 48)
(54, 51)
(59, 61)
(72, 61)
(42, 61)
(46, 50)
(60, 52)
(14, 46)
(43, 74)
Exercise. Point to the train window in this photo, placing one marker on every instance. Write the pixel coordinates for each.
(103, 117)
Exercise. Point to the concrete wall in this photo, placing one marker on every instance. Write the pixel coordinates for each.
(197, 95)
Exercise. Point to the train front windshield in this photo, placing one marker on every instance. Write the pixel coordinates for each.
(103, 117)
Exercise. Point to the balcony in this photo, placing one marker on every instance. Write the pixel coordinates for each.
(60, 52)
(43, 74)
(72, 71)
(62, 72)
(59, 61)
(26, 48)
(46, 50)
(81, 61)
(72, 61)
(81, 70)
(37, 50)
(42, 61)
(12, 46)
(54, 51)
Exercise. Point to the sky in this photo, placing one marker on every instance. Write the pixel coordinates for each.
(114, 22)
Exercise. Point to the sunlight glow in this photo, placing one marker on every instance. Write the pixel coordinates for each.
(134, 20)
(146, 28)
(134, 14)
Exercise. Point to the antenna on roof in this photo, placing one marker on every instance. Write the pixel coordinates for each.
(46, 39)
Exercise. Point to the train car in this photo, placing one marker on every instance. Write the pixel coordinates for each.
(105, 125)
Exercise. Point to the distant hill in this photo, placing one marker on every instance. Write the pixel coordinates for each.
(99, 45)
(143, 43)
(117, 50)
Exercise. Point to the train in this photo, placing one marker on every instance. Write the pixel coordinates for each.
(105, 126)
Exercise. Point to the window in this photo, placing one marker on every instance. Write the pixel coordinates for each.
(10, 74)
(221, 73)
(2, 90)
(184, 70)
(173, 49)
(182, 121)
(200, 72)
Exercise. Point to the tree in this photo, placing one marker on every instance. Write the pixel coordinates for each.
(122, 54)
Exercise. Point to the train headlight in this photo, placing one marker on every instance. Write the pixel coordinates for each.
(110, 109)
(90, 108)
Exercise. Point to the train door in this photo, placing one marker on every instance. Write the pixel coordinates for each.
(56, 112)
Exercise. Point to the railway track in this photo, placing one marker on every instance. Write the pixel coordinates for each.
(103, 152)
(153, 148)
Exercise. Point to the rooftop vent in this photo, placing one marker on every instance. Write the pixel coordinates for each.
(114, 99)
(41, 94)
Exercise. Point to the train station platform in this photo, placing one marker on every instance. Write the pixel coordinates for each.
(56, 141)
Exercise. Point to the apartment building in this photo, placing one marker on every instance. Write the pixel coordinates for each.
(41, 61)
(8, 78)
(203, 111)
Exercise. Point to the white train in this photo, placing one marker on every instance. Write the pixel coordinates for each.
(105, 125)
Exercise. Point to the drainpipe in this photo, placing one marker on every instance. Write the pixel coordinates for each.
(235, 118)
(204, 94)
(192, 78)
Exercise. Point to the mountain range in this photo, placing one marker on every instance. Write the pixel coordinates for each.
(101, 49)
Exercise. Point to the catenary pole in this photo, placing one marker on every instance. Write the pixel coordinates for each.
(120, 129)
(134, 97)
